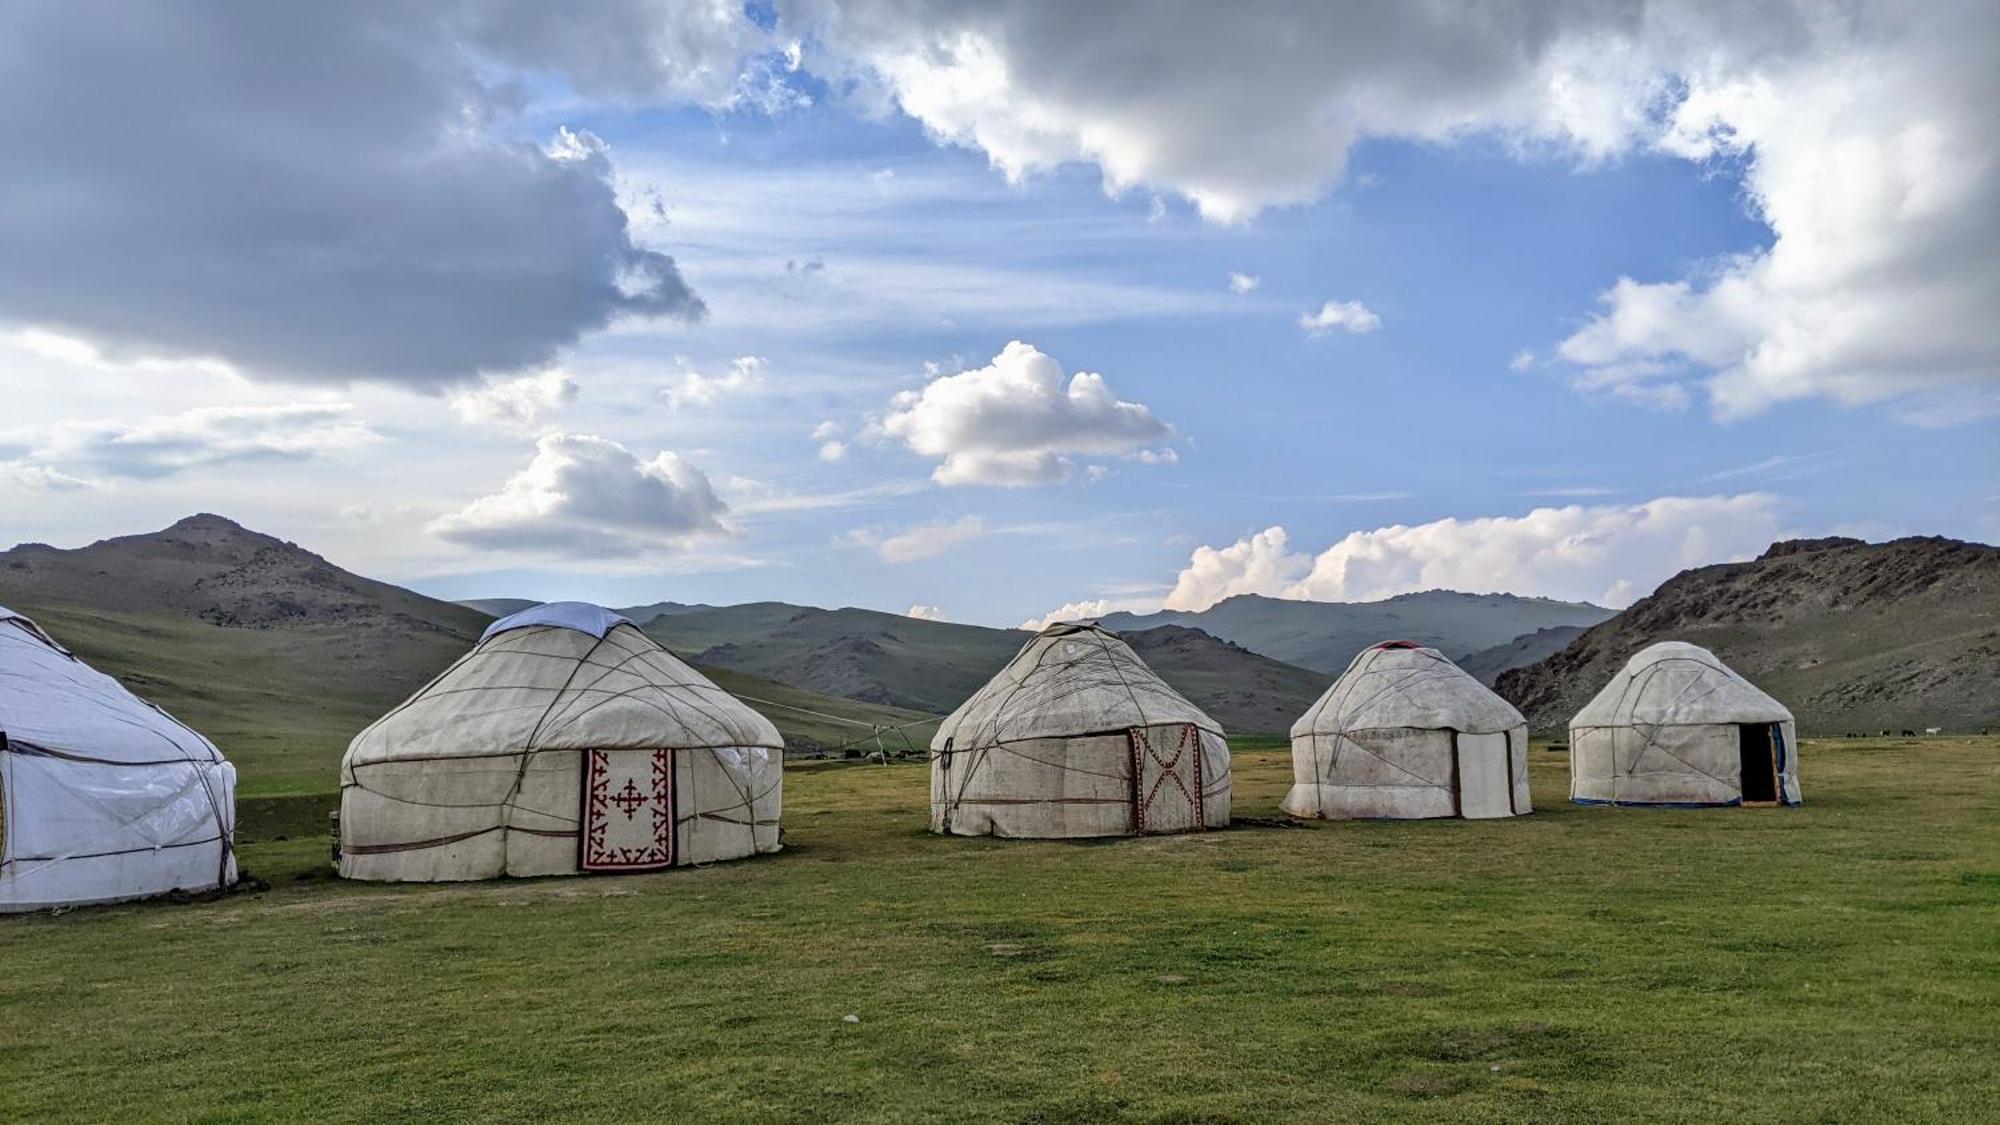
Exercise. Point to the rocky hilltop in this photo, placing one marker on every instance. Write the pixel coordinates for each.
(1852, 636)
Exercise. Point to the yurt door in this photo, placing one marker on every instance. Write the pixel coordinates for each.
(1757, 747)
(1485, 788)
(628, 810)
(1166, 778)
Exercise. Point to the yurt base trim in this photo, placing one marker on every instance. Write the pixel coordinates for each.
(1735, 804)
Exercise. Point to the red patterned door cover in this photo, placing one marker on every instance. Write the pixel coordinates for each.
(1166, 779)
(628, 810)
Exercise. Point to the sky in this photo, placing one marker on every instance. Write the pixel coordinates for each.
(998, 312)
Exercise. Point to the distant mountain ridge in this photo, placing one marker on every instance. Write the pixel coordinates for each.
(1852, 636)
(1324, 636)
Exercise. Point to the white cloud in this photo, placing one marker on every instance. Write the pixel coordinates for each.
(1870, 159)
(39, 478)
(1258, 564)
(377, 214)
(833, 451)
(584, 497)
(745, 374)
(826, 430)
(1346, 316)
(515, 404)
(1070, 611)
(1522, 361)
(1863, 134)
(925, 613)
(926, 541)
(1611, 555)
(206, 436)
(1015, 421)
(1241, 282)
(1235, 107)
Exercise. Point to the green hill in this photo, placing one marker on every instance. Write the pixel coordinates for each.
(281, 657)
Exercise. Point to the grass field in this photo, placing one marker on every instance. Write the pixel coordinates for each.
(1839, 961)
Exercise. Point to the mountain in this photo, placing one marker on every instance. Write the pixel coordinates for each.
(894, 660)
(281, 656)
(271, 650)
(498, 607)
(1245, 692)
(1324, 636)
(640, 614)
(1851, 636)
(1530, 648)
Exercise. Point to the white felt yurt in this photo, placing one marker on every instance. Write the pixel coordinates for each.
(103, 796)
(1077, 737)
(566, 741)
(1405, 733)
(1676, 726)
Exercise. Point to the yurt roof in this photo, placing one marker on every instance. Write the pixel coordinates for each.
(1674, 683)
(1072, 678)
(1398, 684)
(553, 686)
(53, 703)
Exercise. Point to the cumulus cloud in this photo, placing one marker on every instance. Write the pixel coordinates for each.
(328, 194)
(926, 541)
(926, 613)
(515, 404)
(1016, 422)
(1611, 555)
(1069, 611)
(1342, 316)
(1241, 282)
(1871, 163)
(1862, 132)
(1235, 107)
(1258, 564)
(830, 451)
(193, 439)
(745, 374)
(584, 497)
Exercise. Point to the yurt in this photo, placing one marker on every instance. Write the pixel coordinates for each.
(566, 741)
(1677, 726)
(1077, 737)
(103, 796)
(1405, 734)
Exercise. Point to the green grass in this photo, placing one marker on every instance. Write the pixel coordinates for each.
(1840, 961)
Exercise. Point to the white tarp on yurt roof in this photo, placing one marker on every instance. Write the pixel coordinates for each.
(566, 740)
(106, 797)
(1405, 733)
(1076, 736)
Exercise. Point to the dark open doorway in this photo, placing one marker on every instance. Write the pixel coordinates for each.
(1757, 744)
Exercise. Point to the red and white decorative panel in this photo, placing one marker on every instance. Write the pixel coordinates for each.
(1166, 779)
(628, 810)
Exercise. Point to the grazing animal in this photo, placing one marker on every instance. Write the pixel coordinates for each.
(1933, 730)
(1909, 734)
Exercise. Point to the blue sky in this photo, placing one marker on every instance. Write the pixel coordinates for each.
(1494, 411)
